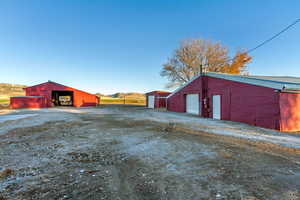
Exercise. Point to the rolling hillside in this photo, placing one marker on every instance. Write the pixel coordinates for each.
(8, 90)
(132, 98)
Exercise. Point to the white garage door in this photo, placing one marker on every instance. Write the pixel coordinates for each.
(150, 101)
(192, 104)
(217, 107)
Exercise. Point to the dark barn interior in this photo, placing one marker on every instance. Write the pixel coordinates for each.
(63, 98)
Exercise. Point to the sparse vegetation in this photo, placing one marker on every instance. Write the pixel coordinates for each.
(126, 100)
(6, 173)
(9, 90)
(123, 98)
(4, 101)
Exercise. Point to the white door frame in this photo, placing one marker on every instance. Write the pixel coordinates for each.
(193, 104)
(151, 101)
(217, 106)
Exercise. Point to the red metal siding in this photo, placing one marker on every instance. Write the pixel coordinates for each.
(177, 103)
(245, 103)
(240, 102)
(81, 99)
(159, 98)
(290, 112)
(27, 102)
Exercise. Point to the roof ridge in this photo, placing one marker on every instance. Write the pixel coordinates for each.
(49, 81)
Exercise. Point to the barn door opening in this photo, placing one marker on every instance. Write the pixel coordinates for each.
(217, 106)
(192, 104)
(63, 98)
(151, 101)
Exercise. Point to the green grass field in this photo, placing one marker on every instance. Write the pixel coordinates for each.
(127, 101)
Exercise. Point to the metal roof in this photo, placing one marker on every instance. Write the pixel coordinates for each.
(275, 82)
(287, 79)
(158, 91)
(60, 85)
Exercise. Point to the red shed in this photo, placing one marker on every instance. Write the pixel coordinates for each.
(265, 101)
(51, 94)
(28, 102)
(156, 99)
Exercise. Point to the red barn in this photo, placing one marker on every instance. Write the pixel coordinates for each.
(265, 101)
(51, 94)
(156, 99)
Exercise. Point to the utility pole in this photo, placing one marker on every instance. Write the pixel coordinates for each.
(201, 69)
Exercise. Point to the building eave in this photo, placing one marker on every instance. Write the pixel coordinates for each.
(278, 85)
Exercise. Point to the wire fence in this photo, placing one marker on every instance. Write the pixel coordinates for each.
(123, 101)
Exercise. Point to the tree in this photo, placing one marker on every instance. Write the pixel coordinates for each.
(194, 56)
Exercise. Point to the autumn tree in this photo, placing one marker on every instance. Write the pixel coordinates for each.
(194, 56)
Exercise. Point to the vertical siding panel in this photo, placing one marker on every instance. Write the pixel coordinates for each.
(240, 102)
(289, 111)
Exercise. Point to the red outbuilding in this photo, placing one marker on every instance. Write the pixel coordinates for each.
(51, 94)
(157, 99)
(265, 101)
(28, 102)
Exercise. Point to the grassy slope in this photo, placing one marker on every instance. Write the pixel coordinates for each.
(9, 90)
(124, 98)
(127, 100)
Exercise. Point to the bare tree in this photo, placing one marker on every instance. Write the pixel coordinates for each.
(194, 56)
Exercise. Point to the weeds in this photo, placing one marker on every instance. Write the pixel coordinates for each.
(6, 173)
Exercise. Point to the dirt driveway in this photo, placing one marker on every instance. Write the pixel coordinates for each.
(131, 153)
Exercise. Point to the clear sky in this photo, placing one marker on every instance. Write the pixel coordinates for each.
(120, 46)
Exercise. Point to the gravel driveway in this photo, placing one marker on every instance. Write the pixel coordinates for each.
(133, 153)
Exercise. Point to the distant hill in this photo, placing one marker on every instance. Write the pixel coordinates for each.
(8, 90)
(134, 95)
(100, 95)
(128, 95)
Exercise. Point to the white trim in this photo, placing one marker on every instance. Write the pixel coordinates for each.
(183, 86)
(151, 101)
(192, 104)
(217, 107)
(162, 97)
(255, 81)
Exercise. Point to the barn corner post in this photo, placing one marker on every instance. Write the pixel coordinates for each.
(203, 94)
(279, 118)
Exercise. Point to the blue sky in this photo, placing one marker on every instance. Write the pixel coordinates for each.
(120, 46)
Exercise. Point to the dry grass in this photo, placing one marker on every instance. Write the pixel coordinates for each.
(7, 89)
(6, 173)
(126, 101)
(4, 102)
